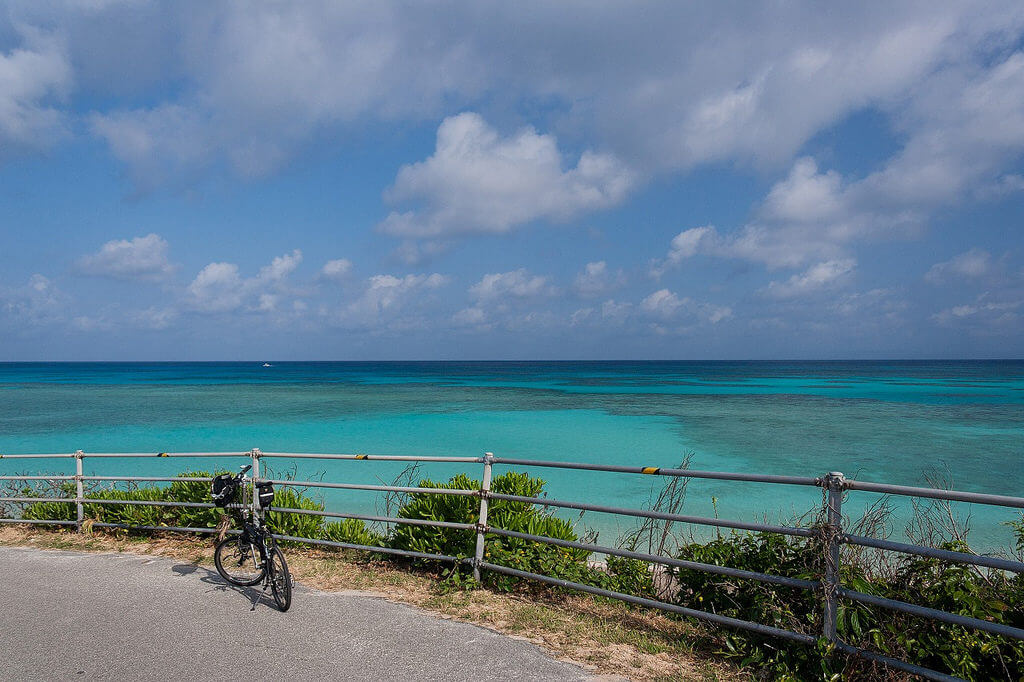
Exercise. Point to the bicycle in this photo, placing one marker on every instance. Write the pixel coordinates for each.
(253, 555)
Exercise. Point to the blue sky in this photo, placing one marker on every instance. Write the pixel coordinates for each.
(321, 180)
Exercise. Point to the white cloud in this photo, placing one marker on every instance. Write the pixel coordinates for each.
(615, 312)
(155, 318)
(682, 85)
(816, 278)
(663, 303)
(870, 307)
(985, 314)
(478, 182)
(386, 299)
(33, 78)
(469, 317)
(165, 144)
(515, 284)
(38, 302)
(970, 265)
(667, 306)
(281, 266)
(597, 279)
(219, 288)
(336, 269)
(141, 258)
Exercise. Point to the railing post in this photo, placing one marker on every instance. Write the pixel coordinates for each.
(255, 454)
(79, 490)
(834, 483)
(481, 526)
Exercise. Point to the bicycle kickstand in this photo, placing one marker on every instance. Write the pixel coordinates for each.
(266, 586)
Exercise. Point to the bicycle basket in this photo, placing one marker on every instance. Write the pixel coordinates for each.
(224, 490)
(265, 494)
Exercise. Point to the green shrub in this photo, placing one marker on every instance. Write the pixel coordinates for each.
(297, 525)
(58, 511)
(525, 555)
(192, 491)
(351, 531)
(956, 588)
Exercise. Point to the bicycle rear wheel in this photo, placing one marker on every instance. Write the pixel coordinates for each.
(280, 579)
(239, 562)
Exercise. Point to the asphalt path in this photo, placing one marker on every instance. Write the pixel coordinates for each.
(72, 615)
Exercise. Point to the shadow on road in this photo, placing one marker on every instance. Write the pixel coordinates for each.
(254, 594)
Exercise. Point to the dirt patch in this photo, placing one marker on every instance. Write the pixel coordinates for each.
(609, 638)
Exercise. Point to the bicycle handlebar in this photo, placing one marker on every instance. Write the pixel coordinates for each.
(245, 469)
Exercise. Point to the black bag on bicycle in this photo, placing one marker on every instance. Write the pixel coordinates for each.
(224, 490)
(265, 494)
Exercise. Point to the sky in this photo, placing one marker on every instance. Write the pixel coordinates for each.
(531, 180)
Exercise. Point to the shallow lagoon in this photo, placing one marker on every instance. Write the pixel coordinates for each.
(882, 421)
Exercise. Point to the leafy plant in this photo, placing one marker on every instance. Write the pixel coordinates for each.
(351, 531)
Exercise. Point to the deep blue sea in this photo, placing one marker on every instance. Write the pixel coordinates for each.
(896, 422)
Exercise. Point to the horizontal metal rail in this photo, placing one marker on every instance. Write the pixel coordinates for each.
(381, 519)
(371, 548)
(173, 529)
(90, 455)
(936, 493)
(39, 456)
(651, 603)
(47, 522)
(169, 479)
(667, 561)
(37, 478)
(934, 614)
(931, 552)
(665, 516)
(926, 673)
(660, 471)
(379, 488)
(386, 458)
(24, 500)
(150, 503)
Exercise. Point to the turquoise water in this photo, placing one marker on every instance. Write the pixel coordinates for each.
(882, 421)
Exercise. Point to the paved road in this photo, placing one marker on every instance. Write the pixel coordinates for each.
(116, 616)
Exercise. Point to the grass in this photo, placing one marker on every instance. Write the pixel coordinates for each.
(607, 637)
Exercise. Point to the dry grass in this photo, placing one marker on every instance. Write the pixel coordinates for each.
(609, 638)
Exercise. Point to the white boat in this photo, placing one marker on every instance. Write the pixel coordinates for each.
(267, 364)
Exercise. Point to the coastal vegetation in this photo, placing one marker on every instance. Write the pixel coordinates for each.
(986, 594)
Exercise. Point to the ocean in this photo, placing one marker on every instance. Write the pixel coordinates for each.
(886, 421)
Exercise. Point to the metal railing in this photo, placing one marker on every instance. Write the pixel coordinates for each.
(830, 532)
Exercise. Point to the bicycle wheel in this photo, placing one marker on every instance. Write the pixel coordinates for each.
(237, 563)
(280, 579)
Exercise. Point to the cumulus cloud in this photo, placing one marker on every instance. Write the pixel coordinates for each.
(217, 288)
(479, 182)
(596, 279)
(37, 302)
(665, 305)
(987, 313)
(165, 144)
(816, 278)
(336, 269)
(808, 215)
(34, 77)
(969, 265)
(281, 266)
(141, 258)
(390, 302)
(220, 288)
(254, 83)
(515, 284)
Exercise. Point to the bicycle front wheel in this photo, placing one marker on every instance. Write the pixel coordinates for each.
(280, 579)
(239, 562)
